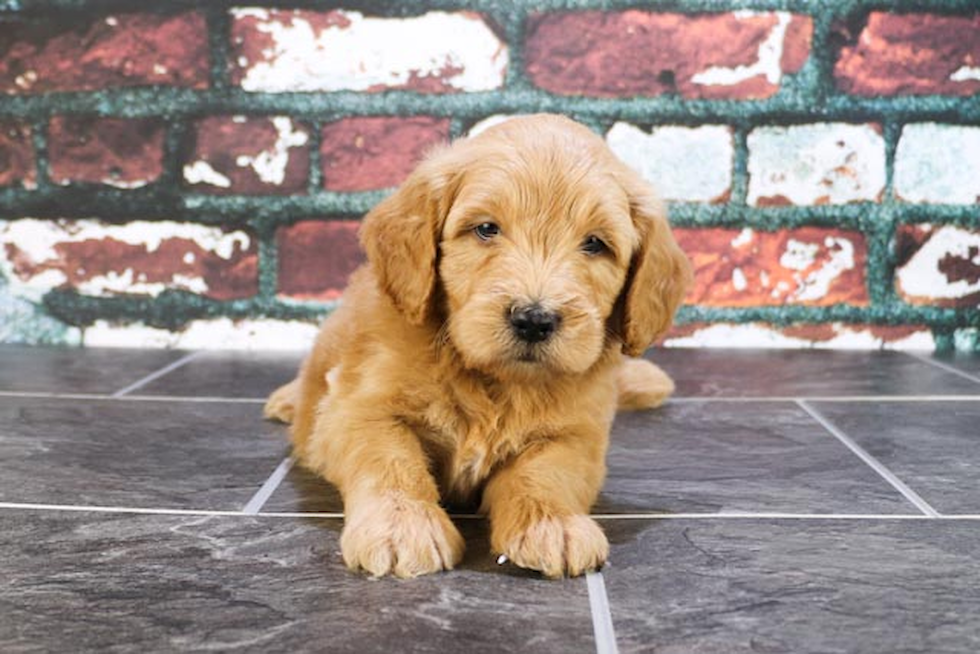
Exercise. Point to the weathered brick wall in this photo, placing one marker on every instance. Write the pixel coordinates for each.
(192, 174)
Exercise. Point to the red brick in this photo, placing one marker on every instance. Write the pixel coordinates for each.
(140, 258)
(316, 258)
(112, 51)
(361, 154)
(114, 151)
(639, 53)
(808, 265)
(17, 165)
(255, 155)
(910, 54)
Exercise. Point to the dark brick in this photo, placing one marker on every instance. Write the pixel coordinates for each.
(111, 51)
(316, 258)
(17, 165)
(114, 151)
(361, 154)
(254, 155)
(639, 53)
(910, 54)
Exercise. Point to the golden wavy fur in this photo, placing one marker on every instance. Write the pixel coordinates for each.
(479, 355)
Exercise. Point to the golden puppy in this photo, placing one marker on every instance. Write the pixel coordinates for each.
(479, 354)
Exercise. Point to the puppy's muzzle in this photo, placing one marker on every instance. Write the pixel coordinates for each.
(532, 324)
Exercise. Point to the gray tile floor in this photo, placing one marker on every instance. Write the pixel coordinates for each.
(802, 501)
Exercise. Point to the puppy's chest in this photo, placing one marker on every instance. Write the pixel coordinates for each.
(469, 442)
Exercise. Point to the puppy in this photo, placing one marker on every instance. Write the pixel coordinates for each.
(478, 356)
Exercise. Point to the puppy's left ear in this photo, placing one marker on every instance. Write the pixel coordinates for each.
(401, 238)
(660, 273)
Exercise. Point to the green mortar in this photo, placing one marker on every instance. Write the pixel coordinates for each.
(808, 96)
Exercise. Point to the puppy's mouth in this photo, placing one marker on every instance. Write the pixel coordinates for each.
(528, 356)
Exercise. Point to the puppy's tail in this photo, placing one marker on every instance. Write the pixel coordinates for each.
(641, 385)
(281, 405)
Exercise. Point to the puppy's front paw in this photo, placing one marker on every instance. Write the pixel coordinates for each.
(556, 545)
(390, 534)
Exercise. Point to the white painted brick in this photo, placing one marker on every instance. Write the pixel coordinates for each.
(216, 334)
(358, 53)
(967, 339)
(938, 164)
(36, 246)
(686, 164)
(926, 278)
(490, 121)
(760, 335)
(825, 163)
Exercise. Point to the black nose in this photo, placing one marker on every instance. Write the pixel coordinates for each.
(533, 324)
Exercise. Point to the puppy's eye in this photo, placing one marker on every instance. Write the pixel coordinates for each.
(486, 231)
(593, 245)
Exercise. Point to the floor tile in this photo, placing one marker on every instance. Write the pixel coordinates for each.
(710, 457)
(934, 447)
(804, 373)
(228, 374)
(304, 491)
(78, 370)
(91, 583)
(794, 586)
(198, 455)
(966, 362)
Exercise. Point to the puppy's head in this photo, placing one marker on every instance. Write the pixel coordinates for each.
(533, 245)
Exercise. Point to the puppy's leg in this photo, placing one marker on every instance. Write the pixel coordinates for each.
(641, 385)
(538, 507)
(393, 522)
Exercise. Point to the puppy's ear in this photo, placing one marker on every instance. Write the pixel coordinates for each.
(401, 238)
(660, 272)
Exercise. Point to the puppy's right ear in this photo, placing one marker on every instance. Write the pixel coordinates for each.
(401, 238)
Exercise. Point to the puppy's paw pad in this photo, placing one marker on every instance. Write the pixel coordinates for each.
(281, 405)
(406, 538)
(559, 546)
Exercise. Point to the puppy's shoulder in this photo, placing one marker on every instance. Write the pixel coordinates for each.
(381, 343)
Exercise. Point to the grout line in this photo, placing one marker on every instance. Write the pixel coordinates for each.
(875, 464)
(159, 373)
(129, 398)
(943, 366)
(829, 398)
(602, 624)
(262, 495)
(44, 395)
(115, 509)
(175, 398)
(673, 400)
(31, 506)
(760, 516)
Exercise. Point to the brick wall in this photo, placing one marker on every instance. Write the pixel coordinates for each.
(193, 174)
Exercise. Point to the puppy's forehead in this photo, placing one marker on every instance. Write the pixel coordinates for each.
(539, 187)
